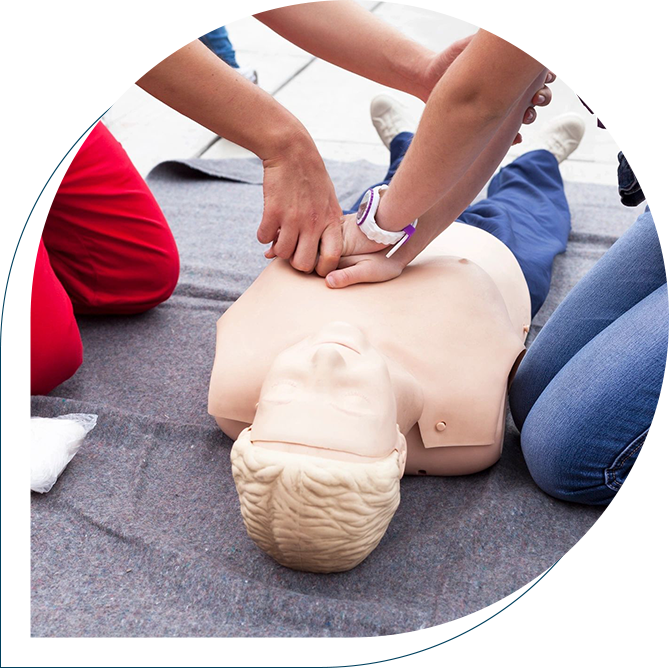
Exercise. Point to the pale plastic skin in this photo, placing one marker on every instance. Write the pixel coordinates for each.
(332, 395)
(335, 373)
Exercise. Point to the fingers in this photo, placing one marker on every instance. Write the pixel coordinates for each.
(306, 253)
(330, 250)
(269, 227)
(542, 97)
(284, 247)
(304, 258)
(270, 254)
(311, 230)
(530, 116)
(517, 139)
(349, 232)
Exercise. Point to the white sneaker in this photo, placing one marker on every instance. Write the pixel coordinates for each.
(561, 136)
(389, 118)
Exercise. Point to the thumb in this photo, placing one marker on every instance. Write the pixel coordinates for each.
(268, 229)
(341, 278)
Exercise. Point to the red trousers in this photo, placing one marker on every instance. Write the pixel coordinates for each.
(106, 248)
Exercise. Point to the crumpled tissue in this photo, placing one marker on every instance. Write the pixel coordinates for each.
(53, 443)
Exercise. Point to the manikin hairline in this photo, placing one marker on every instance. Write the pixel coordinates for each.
(299, 449)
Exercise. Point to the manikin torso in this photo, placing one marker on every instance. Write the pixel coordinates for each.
(454, 323)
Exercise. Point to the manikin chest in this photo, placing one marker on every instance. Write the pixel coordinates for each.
(453, 326)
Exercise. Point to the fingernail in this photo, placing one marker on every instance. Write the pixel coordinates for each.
(330, 281)
(541, 99)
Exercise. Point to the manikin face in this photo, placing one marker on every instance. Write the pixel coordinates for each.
(332, 391)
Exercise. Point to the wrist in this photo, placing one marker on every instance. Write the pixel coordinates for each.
(410, 72)
(389, 217)
(288, 141)
(408, 252)
(420, 74)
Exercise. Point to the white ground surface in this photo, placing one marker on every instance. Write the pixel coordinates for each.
(332, 104)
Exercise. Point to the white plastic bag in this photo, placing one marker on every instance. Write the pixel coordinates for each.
(53, 443)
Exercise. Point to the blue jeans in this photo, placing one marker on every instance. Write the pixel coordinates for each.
(219, 42)
(586, 392)
(525, 208)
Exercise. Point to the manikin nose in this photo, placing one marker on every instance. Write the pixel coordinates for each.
(327, 357)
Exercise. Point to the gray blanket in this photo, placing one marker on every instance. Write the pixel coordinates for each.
(142, 534)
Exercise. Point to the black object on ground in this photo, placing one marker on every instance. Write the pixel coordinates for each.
(635, 189)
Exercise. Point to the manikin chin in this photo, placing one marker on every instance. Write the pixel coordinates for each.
(333, 395)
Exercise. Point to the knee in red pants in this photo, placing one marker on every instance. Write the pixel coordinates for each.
(108, 241)
(55, 345)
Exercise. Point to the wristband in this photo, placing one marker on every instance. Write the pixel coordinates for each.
(365, 218)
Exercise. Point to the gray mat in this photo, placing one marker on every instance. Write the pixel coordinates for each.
(142, 534)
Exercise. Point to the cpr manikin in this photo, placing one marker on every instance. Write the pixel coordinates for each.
(332, 395)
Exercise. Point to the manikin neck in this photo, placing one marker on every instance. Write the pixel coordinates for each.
(409, 404)
(408, 395)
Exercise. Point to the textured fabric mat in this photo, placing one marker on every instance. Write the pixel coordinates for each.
(142, 534)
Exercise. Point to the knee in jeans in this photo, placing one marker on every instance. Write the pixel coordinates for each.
(557, 463)
(544, 466)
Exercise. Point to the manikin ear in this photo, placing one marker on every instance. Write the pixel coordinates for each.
(402, 449)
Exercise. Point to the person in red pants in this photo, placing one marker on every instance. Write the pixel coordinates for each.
(106, 248)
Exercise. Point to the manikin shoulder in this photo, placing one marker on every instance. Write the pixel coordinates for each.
(454, 324)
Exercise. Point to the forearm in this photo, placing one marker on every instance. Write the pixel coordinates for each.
(196, 83)
(345, 34)
(434, 221)
(466, 110)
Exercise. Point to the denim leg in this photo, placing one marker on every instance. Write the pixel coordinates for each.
(660, 212)
(526, 209)
(219, 42)
(398, 148)
(585, 431)
(631, 270)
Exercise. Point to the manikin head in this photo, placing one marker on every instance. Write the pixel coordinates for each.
(318, 471)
